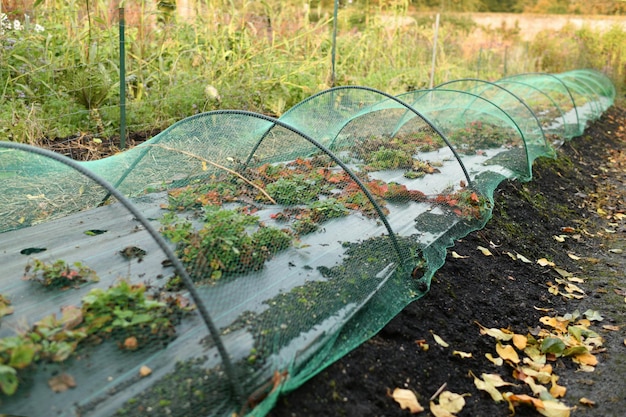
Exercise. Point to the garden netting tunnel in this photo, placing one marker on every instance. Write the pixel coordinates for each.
(233, 256)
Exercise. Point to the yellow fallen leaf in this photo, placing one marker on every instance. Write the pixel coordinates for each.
(495, 333)
(553, 289)
(541, 376)
(144, 371)
(524, 259)
(546, 310)
(587, 401)
(499, 361)
(407, 399)
(463, 355)
(555, 323)
(520, 341)
(484, 250)
(449, 404)
(601, 212)
(586, 359)
(554, 409)
(507, 352)
(204, 167)
(514, 399)
(537, 389)
(611, 327)
(439, 411)
(560, 238)
(574, 257)
(556, 390)
(440, 341)
(576, 279)
(545, 262)
(457, 256)
(563, 273)
(489, 383)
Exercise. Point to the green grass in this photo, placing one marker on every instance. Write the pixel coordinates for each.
(263, 57)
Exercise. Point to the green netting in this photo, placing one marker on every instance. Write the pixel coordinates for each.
(237, 255)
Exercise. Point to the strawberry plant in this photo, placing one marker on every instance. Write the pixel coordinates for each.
(59, 274)
(224, 244)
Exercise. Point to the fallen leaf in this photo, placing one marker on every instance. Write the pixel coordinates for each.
(407, 399)
(520, 341)
(567, 229)
(593, 315)
(611, 327)
(616, 250)
(490, 383)
(560, 238)
(574, 257)
(61, 382)
(463, 355)
(537, 389)
(586, 368)
(524, 259)
(484, 250)
(586, 359)
(440, 341)
(560, 325)
(514, 399)
(71, 316)
(545, 262)
(449, 404)
(554, 409)
(457, 256)
(439, 411)
(587, 402)
(556, 390)
(131, 343)
(144, 371)
(495, 333)
(563, 273)
(499, 361)
(507, 352)
(553, 345)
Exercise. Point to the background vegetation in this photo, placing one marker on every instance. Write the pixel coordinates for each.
(59, 60)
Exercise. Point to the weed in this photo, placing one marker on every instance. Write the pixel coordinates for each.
(59, 274)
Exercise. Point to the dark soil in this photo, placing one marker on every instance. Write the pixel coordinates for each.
(581, 195)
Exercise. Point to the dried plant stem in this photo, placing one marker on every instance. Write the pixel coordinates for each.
(222, 167)
(439, 391)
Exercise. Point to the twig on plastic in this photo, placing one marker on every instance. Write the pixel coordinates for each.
(215, 164)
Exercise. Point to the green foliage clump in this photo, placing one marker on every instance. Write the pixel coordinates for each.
(385, 158)
(223, 244)
(297, 189)
(123, 312)
(59, 274)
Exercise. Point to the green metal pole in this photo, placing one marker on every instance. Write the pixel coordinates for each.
(332, 77)
(122, 82)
